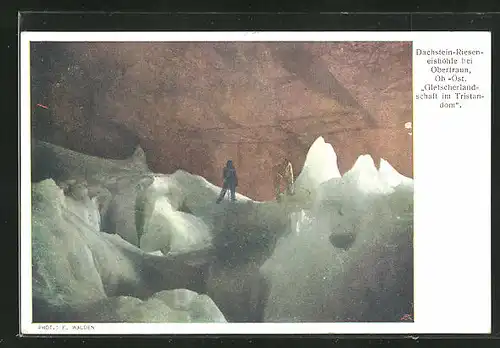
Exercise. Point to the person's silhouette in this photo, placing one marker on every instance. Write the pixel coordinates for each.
(230, 181)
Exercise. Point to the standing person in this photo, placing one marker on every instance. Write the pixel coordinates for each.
(230, 181)
(283, 171)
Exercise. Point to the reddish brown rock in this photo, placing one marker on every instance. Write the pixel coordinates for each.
(194, 105)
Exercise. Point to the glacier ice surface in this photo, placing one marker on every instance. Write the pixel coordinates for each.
(340, 249)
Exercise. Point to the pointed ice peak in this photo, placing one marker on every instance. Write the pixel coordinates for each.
(321, 156)
(320, 165)
(391, 176)
(138, 158)
(365, 176)
(385, 167)
(139, 155)
(320, 141)
(364, 164)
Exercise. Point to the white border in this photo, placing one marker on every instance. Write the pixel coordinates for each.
(441, 231)
(25, 189)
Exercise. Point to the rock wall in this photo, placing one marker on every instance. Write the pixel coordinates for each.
(192, 106)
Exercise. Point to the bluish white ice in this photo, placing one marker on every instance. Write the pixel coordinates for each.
(340, 249)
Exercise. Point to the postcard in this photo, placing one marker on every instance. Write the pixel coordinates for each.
(255, 182)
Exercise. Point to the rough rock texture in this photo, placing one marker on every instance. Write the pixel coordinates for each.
(192, 106)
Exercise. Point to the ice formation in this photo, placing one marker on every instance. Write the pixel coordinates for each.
(181, 306)
(368, 274)
(320, 166)
(340, 249)
(75, 267)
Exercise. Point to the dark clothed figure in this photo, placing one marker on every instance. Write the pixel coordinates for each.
(230, 181)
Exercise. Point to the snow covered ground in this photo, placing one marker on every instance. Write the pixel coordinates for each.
(340, 249)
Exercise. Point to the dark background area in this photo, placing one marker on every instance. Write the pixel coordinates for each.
(193, 106)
